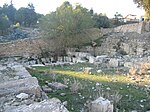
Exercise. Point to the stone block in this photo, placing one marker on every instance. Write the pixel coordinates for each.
(80, 60)
(91, 59)
(101, 105)
(114, 62)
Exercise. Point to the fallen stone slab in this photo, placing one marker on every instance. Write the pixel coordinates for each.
(27, 85)
(51, 105)
(37, 65)
(57, 85)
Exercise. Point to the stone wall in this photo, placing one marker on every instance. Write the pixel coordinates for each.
(31, 45)
(135, 27)
(21, 47)
(123, 43)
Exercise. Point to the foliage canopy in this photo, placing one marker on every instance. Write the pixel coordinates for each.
(146, 5)
(67, 24)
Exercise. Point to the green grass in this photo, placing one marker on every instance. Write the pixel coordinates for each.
(132, 93)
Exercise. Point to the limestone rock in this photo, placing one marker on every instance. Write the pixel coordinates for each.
(134, 111)
(22, 96)
(62, 94)
(46, 89)
(91, 59)
(114, 62)
(101, 105)
(99, 71)
(21, 71)
(57, 85)
(27, 85)
(87, 70)
(51, 105)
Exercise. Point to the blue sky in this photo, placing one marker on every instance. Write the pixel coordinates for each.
(110, 7)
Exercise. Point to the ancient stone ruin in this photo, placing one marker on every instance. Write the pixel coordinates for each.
(19, 91)
(123, 48)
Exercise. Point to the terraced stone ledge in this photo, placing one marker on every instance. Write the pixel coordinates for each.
(15, 80)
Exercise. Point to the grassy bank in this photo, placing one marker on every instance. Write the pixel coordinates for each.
(125, 93)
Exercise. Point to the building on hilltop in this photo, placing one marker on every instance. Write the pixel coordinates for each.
(131, 18)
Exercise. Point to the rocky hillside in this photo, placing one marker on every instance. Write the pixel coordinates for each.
(20, 33)
(125, 43)
(112, 41)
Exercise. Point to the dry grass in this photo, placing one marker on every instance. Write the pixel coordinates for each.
(54, 77)
(75, 86)
(66, 81)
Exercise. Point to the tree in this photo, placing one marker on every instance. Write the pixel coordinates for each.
(66, 25)
(118, 19)
(20, 15)
(146, 5)
(10, 11)
(4, 23)
(1, 10)
(101, 20)
(31, 17)
(26, 16)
